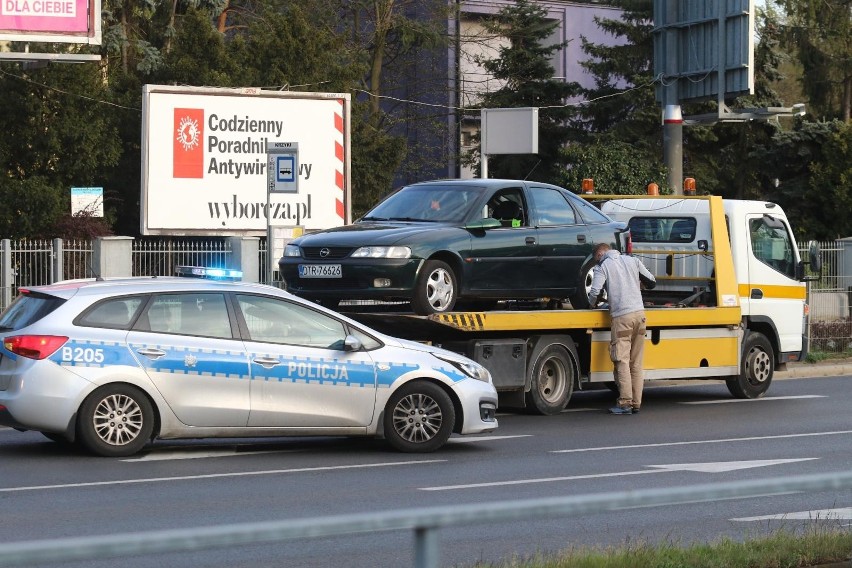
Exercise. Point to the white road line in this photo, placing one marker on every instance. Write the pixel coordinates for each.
(215, 475)
(469, 439)
(719, 441)
(844, 513)
(711, 467)
(768, 399)
(191, 454)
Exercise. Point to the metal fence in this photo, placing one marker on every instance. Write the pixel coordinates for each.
(37, 262)
(425, 523)
(830, 298)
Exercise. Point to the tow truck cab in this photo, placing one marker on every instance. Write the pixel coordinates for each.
(673, 239)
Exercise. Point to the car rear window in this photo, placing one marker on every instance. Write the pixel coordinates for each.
(662, 229)
(27, 309)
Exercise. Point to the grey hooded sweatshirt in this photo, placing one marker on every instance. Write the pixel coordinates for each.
(621, 275)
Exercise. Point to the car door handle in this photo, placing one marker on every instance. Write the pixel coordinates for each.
(267, 362)
(151, 353)
(756, 293)
(530, 240)
(581, 238)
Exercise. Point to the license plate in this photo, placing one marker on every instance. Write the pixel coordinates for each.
(320, 271)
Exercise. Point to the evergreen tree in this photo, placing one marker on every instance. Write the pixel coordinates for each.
(523, 68)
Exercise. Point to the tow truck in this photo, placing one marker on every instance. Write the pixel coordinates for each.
(731, 305)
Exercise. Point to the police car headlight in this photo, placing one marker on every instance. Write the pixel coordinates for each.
(470, 368)
(292, 250)
(382, 252)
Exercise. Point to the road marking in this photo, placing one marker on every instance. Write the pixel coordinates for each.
(190, 454)
(768, 399)
(469, 439)
(713, 467)
(215, 475)
(844, 513)
(720, 441)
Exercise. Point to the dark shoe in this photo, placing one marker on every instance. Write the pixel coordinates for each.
(620, 410)
(635, 410)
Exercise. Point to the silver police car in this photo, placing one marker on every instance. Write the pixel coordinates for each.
(111, 365)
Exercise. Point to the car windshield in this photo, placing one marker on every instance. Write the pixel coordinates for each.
(428, 203)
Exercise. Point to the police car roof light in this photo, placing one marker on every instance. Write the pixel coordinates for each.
(208, 272)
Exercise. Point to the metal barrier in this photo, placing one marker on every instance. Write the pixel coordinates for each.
(425, 522)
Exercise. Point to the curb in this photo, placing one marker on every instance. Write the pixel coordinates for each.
(805, 370)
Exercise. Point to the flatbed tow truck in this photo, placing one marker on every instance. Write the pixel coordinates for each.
(738, 314)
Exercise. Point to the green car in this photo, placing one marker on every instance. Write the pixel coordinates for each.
(439, 243)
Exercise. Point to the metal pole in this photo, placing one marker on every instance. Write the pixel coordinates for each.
(427, 552)
(484, 172)
(673, 147)
(672, 118)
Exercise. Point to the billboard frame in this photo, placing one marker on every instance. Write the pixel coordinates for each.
(92, 36)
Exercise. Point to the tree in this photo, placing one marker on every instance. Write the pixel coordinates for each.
(821, 35)
(523, 68)
(808, 171)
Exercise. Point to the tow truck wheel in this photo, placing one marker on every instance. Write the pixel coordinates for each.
(552, 380)
(115, 420)
(419, 417)
(436, 290)
(756, 368)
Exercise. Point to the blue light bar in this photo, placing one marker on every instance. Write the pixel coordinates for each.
(208, 272)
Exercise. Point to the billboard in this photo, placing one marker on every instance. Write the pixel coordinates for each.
(204, 160)
(63, 21)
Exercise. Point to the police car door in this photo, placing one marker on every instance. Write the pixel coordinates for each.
(302, 374)
(185, 343)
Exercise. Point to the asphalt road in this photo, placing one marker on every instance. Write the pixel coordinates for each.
(687, 434)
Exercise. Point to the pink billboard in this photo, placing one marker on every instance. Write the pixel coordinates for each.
(75, 21)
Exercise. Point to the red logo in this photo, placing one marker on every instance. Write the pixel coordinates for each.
(188, 152)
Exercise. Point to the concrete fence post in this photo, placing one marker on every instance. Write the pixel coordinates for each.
(57, 267)
(245, 256)
(7, 277)
(111, 256)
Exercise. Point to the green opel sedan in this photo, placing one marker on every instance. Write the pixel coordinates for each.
(472, 241)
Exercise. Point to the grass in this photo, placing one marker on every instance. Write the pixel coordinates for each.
(817, 356)
(815, 546)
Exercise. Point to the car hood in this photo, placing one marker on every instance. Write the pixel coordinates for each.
(373, 233)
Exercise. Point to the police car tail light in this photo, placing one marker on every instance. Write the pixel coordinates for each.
(34, 346)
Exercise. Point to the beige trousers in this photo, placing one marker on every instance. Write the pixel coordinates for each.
(626, 349)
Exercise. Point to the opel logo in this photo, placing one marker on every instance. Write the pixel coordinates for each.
(324, 252)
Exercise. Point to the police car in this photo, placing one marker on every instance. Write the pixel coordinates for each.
(111, 365)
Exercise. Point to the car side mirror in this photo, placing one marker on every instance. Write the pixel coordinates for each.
(815, 257)
(352, 343)
(482, 224)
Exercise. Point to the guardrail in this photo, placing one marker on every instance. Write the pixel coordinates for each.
(425, 522)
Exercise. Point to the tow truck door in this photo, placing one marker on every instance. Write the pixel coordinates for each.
(772, 291)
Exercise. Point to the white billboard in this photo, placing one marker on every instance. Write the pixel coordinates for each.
(204, 160)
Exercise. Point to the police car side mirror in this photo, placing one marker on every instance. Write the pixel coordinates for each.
(352, 343)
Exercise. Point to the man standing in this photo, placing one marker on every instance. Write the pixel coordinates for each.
(623, 277)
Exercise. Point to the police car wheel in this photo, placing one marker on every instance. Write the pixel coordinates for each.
(115, 420)
(419, 417)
